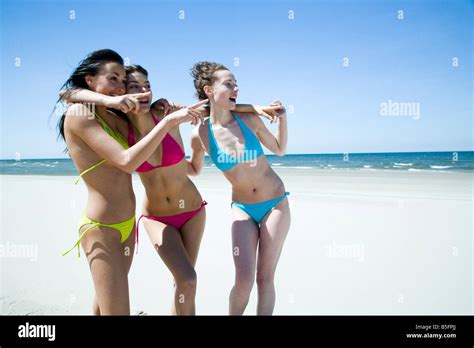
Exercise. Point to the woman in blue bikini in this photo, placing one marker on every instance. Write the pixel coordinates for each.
(261, 214)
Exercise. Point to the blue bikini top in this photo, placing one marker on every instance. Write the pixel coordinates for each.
(224, 161)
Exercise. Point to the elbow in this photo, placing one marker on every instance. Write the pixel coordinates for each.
(62, 95)
(65, 95)
(280, 152)
(193, 171)
(125, 165)
(127, 169)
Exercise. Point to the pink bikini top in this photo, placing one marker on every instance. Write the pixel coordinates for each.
(171, 151)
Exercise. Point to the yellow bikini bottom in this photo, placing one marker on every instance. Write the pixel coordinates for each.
(125, 228)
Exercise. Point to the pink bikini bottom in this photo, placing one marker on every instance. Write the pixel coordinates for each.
(177, 221)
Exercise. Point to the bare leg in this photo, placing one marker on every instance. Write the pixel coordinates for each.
(169, 245)
(244, 248)
(273, 230)
(191, 233)
(128, 250)
(95, 306)
(105, 256)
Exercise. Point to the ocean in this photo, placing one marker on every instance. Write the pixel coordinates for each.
(455, 161)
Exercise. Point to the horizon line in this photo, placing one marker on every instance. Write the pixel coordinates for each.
(290, 154)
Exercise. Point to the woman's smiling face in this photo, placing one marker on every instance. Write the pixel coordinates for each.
(138, 83)
(109, 80)
(224, 90)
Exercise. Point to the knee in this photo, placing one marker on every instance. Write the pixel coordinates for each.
(188, 283)
(244, 281)
(265, 280)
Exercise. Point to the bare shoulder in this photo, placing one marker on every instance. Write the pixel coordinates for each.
(159, 114)
(201, 130)
(199, 134)
(78, 115)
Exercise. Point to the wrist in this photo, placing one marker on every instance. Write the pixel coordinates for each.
(256, 108)
(282, 118)
(168, 122)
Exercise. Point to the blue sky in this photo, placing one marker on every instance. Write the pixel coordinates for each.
(300, 61)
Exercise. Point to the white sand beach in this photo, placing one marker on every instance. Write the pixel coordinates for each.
(361, 242)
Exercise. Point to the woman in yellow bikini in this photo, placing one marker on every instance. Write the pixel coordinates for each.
(105, 161)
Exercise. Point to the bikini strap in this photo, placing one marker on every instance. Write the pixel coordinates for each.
(136, 232)
(88, 170)
(94, 224)
(131, 135)
(212, 140)
(118, 138)
(245, 130)
(131, 132)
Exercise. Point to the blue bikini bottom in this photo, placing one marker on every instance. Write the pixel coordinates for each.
(257, 211)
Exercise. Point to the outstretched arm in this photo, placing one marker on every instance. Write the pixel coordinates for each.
(125, 159)
(82, 124)
(275, 143)
(125, 103)
(267, 111)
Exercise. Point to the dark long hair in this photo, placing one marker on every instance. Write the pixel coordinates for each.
(88, 66)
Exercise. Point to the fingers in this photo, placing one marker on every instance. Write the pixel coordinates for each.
(136, 103)
(131, 103)
(202, 102)
(128, 105)
(272, 117)
(196, 116)
(200, 117)
(273, 107)
(142, 96)
(277, 109)
(123, 108)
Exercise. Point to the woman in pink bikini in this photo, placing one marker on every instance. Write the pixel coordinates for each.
(173, 210)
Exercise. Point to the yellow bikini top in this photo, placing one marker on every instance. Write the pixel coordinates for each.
(118, 137)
